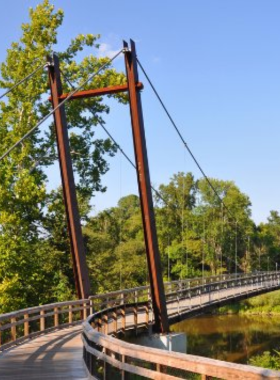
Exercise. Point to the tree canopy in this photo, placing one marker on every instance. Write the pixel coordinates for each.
(35, 263)
(197, 234)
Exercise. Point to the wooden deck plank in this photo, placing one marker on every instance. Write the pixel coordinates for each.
(53, 356)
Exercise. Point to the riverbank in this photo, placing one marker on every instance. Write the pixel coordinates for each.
(266, 304)
(233, 338)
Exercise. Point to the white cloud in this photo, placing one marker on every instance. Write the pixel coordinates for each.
(156, 59)
(106, 50)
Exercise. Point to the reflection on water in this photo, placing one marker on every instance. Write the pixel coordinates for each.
(231, 338)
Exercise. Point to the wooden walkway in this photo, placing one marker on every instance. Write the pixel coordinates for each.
(52, 356)
(58, 355)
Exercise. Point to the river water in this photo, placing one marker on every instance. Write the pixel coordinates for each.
(233, 338)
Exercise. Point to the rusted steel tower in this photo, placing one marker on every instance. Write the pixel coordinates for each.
(144, 184)
(133, 87)
(68, 184)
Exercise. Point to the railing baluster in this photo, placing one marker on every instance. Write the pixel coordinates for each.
(147, 315)
(42, 320)
(13, 330)
(115, 318)
(56, 317)
(135, 313)
(70, 314)
(122, 371)
(123, 319)
(105, 366)
(85, 310)
(105, 323)
(26, 325)
(99, 324)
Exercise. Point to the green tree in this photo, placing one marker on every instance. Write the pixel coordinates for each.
(115, 247)
(267, 360)
(34, 249)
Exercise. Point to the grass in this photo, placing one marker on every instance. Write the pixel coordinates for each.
(264, 304)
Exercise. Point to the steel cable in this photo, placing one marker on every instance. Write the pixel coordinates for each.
(182, 139)
(113, 139)
(24, 79)
(58, 106)
(122, 151)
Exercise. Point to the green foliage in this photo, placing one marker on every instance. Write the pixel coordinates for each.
(115, 247)
(35, 263)
(268, 303)
(267, 360)
(196, 235)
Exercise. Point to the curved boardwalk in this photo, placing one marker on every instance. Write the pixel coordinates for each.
(58, 355)
(52, 356)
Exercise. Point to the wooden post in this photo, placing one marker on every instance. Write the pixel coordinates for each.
(70, 314)
(99, 324)
(85, 314)
(115, 317)
(123, 372)
(13, 329)
(123, 319)
(42, 320)
(105, 322)
(147, 315)
(68, 185)
(26, 325)
(56, 317)
(135, 313)
(90, 306)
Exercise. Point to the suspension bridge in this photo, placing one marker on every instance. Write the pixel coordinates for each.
(81, 339)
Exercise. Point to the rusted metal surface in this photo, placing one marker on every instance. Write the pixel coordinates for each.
(99, 92)
(68, 184)
(141, 158)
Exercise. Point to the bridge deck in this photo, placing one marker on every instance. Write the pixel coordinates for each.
(53, 356)
(58, 355)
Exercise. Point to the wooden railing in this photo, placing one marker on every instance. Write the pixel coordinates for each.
(129, 310)
(179, 288)
(24, 324)
(107, 357)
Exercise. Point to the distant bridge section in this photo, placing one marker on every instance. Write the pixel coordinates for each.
(115, 314)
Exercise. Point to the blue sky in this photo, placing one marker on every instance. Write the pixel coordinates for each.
(215, 63)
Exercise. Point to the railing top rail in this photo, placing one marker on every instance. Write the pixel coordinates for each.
(192, 363)
(36, 309)
(119, 292)
(201, 279)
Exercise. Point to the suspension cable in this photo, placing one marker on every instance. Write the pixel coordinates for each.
(59, 105)
(182, 138)
(190, 152)
(120, 148)
(24, 79)
(126, 156)
(113, 139)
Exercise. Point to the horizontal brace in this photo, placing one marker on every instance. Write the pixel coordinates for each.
(99, 92)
